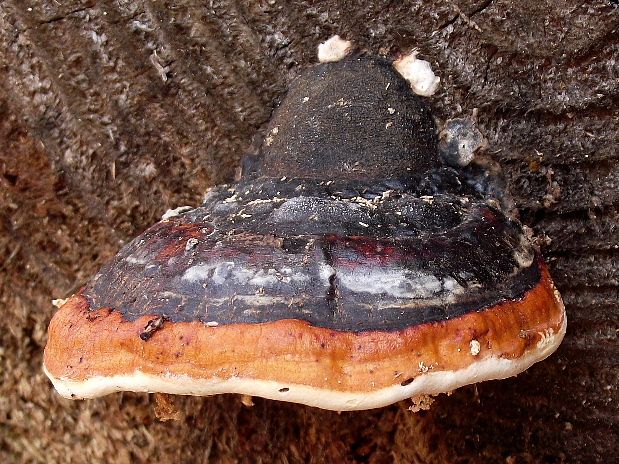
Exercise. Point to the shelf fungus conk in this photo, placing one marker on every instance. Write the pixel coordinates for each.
(348, 268)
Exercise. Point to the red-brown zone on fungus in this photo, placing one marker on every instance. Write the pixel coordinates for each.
(109, 345)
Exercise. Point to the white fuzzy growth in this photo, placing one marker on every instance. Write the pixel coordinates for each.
(427, 383)
(175, 212)
(418, 73)
(333, 49)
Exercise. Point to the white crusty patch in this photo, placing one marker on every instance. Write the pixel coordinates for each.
(398, 283)
(220, 272)
(175, 212)
(427, 383)
(418, 73)
(334, 49)
(198, 273)
(135, 260)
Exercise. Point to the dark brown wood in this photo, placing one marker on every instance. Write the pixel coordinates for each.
(113, 111)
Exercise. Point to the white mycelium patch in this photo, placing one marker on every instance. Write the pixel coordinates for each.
(334, 49)
(418, 73)
(427, 383)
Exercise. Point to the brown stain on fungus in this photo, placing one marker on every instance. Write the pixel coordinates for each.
(174, 242)
(151, 327)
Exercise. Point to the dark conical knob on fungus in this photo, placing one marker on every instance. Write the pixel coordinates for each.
(352, 119)
(349, 269)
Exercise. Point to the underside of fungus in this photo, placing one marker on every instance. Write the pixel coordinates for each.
(348, 269)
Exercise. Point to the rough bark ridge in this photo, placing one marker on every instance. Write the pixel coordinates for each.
(113, 111)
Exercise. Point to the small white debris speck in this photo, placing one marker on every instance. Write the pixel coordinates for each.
(212, 324)
(162, 69)
(546, 337)
(363, 224)
(475, 347)
(191, 243)
(391, 110)
(421, 403)
(459, 140)
(418, 73)
(269, 138)
(333, 49)
(58, 302)
(175, 212)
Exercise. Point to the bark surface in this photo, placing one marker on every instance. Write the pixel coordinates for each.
(112, 112)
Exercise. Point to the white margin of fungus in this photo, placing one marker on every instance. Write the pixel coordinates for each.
(334, 49)
(418, 73)
(428, 383)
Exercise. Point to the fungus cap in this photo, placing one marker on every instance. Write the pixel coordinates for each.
(348, 269)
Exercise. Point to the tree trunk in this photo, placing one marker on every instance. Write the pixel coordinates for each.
(113, 111)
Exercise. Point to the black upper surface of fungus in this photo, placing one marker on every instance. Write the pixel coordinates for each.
(350, 222)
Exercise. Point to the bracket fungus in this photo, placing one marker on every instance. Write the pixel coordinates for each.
(348, 268)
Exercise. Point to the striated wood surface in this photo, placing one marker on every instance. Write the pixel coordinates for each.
(113, 111)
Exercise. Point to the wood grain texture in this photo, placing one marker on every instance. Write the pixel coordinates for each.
(113, 111)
